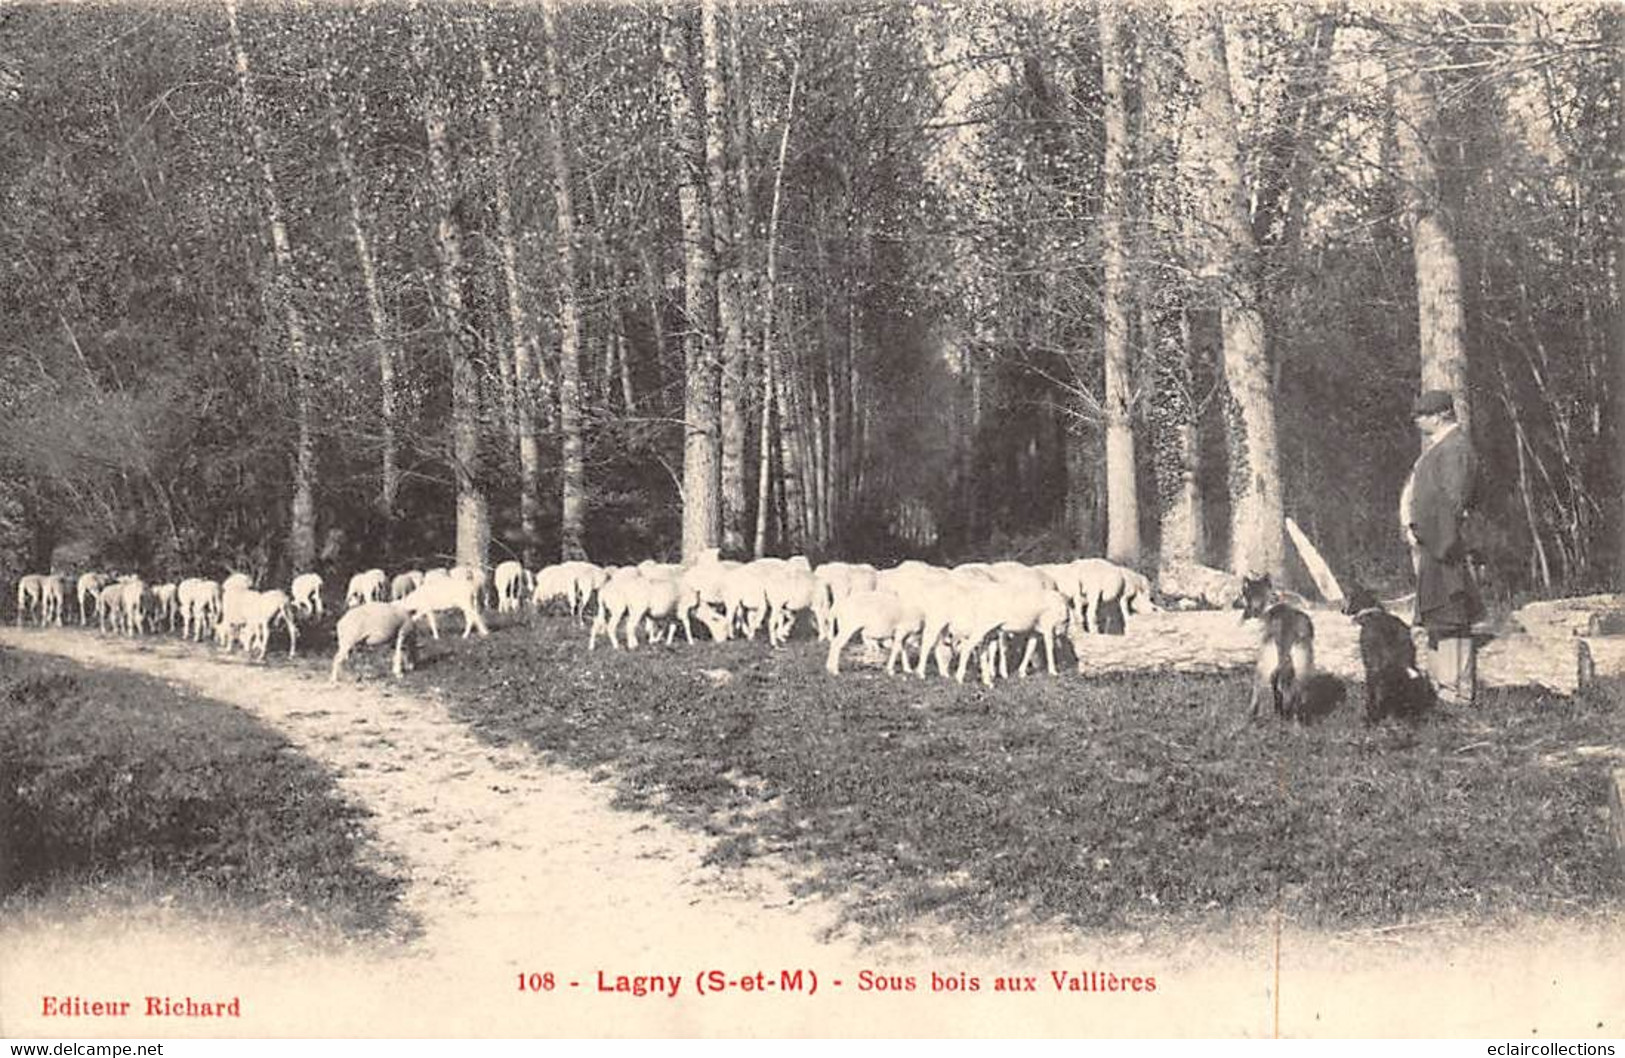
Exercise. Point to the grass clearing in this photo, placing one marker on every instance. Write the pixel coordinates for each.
(124, 791)
(1109, 801)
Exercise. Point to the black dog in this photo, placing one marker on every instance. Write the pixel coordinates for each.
(1393, 684)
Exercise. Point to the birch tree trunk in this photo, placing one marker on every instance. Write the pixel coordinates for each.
(301, 554)
(473, 521)
(770, 384)
(701, 478)
(1256, 526)
(526, 391)
(573, 517)
(1438, 266)
(388, 389)
(730, 311)
(1122, 492)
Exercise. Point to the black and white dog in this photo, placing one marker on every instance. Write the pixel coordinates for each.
(1393, 684)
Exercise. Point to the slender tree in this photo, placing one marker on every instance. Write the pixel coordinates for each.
(526, 375)
(573, 520)
(701, 478)
(301, 554)
(1122, 493)
(473, 519)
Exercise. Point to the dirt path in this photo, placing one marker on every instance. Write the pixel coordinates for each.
(519, 866)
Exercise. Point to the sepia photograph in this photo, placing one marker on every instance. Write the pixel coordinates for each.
(812, 518)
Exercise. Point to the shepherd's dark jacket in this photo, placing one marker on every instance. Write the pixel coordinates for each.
(1444, 487)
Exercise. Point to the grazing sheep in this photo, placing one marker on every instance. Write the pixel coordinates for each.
(1039, 614)
(110, 607)
(512, 581)
(307, 594)
(704, 588)
(89, 586)
(374, 624)
(236, 581)
(405, 584)
(747, 590)
(200, 607)
(134, 598)
(790, 591)
(880, 617)
(637, 597)
(449, 593)
(1137, 593)
(30, 596)
(236, 606)
(164, 602)
(475, 577)
(574, 582)
(366, 587)
(260, 609)
(838, 580)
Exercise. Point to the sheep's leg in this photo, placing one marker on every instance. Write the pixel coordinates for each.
(1027, 657)
(1004, 657)
(338, 661)
(434, 628)
(832, 663)
(633, 616)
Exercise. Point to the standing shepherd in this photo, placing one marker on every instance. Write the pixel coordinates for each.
(1437, 501)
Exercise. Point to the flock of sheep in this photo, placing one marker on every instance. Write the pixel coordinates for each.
(969, 610)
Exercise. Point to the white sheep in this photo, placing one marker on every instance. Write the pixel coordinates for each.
(165, 603)
(366, 587)
(475, 577)
(513, 582)
(1137, 593)
(200, 606)
(307, 594)
(1040, 614)
(110, 607)
(236, 608)
(790, 591)
(89, 586)
(747, 588)
(404, 584)
(374, 624)
(704, 588)
(236, 581)
(448, 593)
(134, 598)
(838, 580)
(30, 596)
(637, 597)
(880, 617)
(261, 608)
(573, 582)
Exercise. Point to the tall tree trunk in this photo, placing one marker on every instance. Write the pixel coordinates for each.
(573, 517)
(1438, 266)
(301, 554)
(701, 477)
(1616, 27)
(1256, 516)
(473, 520)
(770, 368)
(730, 310)
(526, 393)
(1122, 490)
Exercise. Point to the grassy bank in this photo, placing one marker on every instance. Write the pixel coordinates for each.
(123, 788)
(1103, 801)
